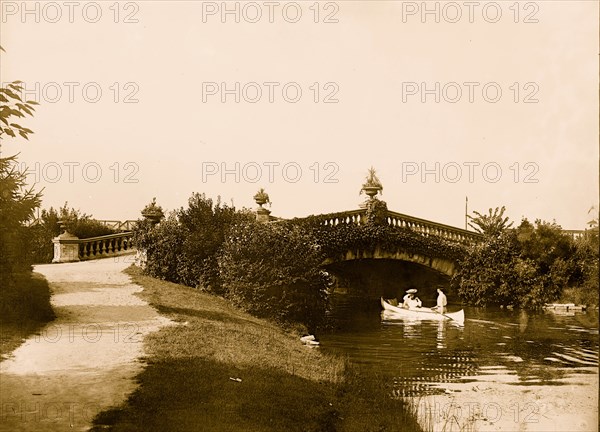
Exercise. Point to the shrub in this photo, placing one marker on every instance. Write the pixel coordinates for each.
(162, 244)
(488, 273)
(528, 267)
(184, 247)
(273, 270)
(203, 227)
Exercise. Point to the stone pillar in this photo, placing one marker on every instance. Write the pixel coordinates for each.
(262, 214)
(376, 211)
(66, 248)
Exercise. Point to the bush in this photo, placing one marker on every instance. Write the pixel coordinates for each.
(585, 287)
(528, 267)
(274, 270)
(204, 226)
(184, 248)
(26, 298)
(487, 273)
(162, 244)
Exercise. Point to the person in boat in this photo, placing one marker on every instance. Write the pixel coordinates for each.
(442, 301)
(410, 301)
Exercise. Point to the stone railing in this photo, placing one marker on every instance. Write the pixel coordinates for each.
(357, 217)
(429, 228)
(69, 248)
(422, 226)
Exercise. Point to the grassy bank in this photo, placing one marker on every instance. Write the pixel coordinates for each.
(221, 369)
(24, 309)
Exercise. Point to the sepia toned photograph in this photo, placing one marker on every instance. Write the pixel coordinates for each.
(305, 216)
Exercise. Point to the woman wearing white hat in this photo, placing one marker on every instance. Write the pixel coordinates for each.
(410, 301)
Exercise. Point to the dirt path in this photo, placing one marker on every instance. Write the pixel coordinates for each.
(86, 360)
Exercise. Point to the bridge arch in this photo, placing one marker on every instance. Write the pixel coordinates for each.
(444, 266)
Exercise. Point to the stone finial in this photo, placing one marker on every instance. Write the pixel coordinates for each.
(261, 198)
(152, 212)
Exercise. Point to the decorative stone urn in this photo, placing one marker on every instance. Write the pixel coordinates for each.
(153, 212)
(261, 198)
(371, 187)
(372, 184)
(370, 191)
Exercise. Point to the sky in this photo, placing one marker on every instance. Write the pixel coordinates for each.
(497, 102)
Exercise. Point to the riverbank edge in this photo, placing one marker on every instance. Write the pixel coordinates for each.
(220, 369)
(27, 296)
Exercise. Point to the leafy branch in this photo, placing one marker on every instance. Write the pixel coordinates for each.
(12, 105)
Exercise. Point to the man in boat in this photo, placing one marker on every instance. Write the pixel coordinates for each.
(410, 301)
(442, 301)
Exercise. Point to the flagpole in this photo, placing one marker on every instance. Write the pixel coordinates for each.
(466, 211)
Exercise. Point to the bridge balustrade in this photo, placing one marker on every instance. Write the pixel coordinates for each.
(421, 226)
(69, 248)
(357, 217)
(429, 228)
(105, 246)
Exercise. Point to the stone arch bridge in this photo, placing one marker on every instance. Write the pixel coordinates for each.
(388, 270)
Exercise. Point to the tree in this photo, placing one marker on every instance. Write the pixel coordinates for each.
(19, 298)
(491, 225)
(544, 243)
(489, 271)
(17, 205)
(528, 266)
(17, 202)
(11, 105)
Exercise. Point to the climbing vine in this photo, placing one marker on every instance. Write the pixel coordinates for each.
(336, 240)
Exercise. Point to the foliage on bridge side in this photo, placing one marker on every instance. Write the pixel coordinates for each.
(77, 223)
(274, 271)
(530, 266)
(336, 240)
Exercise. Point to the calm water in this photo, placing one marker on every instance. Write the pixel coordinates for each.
(419, 356)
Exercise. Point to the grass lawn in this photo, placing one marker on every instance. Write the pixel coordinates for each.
(221, 369)
(24, 309)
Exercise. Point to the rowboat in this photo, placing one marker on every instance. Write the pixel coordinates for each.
(422, 313)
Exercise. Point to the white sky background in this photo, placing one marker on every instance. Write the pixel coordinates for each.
(369, 53)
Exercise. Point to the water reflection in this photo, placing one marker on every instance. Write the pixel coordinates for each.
(513, 347)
